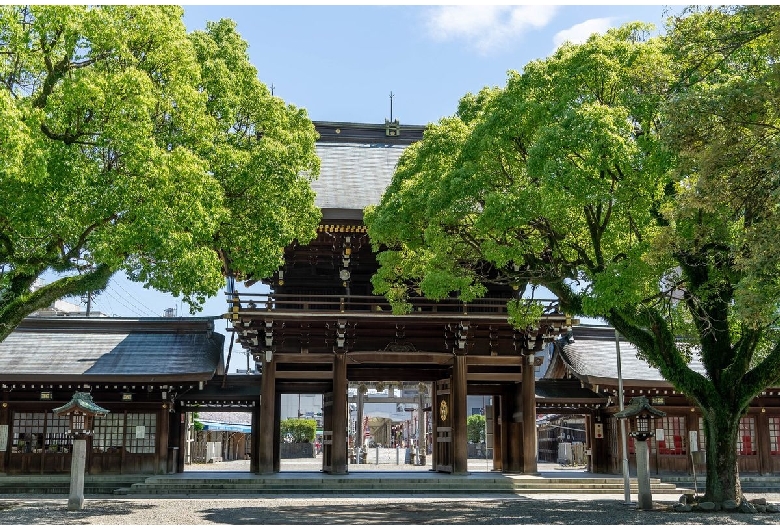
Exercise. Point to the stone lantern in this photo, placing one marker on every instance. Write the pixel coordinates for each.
(81, 411)
(639, 412)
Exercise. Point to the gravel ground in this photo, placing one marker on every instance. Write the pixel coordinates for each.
(531, 509)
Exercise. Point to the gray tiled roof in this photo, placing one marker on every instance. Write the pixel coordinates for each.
(595, 357)
(564, 389)
(352, 176)
(104, 349)
(238, 418)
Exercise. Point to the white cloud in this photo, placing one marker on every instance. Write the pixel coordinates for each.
(579, 33)
(487, 27)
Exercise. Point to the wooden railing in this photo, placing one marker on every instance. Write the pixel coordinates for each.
(271, 302)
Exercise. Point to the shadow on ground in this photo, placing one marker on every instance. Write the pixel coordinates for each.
(56, 511)
(519, 511)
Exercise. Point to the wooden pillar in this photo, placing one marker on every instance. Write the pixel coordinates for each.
(599, 459)
(359, 431)
(459, 414)
(5, 422)
(434, 427)
(497, 434)
(339, 446)
(422, 437)
(277, 432)
(174, 441)
(254, 442)
(511, 435)
(267, 418)
(529, 415)
(762, 433)
(181, 436)
(163, 436)
(589, 441)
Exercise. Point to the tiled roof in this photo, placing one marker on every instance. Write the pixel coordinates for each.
(232, 417)
(594, 357)
(107, 349)
(564, 389)
(352, 176)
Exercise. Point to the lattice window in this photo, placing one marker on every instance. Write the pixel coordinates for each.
(774, 435)
(674, 435)
(746, 438)
(141, 433)
(109, 433)
(58, 438)
(36, 432)
(29, 428)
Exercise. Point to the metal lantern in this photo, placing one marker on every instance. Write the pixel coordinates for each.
(639, 412)
(81, 411)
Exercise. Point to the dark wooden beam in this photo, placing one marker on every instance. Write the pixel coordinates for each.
(497, 376)
(303, 375)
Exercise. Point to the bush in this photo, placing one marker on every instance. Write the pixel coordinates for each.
(475, 428)
(297, 430)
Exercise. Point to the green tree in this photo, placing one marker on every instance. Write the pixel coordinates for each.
(298, 430)
(475, 428)
(574, 177)
(129, 145)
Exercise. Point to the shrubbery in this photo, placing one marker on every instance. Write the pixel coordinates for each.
(297, 430)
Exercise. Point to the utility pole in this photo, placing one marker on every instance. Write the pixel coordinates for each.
(626, 479)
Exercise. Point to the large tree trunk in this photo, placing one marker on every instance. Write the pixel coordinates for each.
(19, 300)
(722, 426)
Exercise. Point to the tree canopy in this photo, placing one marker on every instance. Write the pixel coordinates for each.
(636, 179)
(128, 144)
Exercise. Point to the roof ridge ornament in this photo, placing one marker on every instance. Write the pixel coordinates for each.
(392, 127)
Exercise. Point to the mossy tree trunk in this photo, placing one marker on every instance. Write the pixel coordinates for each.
(721, 429)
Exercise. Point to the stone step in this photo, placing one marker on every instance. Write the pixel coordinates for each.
(385, 491)
(60, 484)
(169, 485)
(750, 483)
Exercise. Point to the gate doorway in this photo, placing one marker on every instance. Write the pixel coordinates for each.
(389, 426)
(218, 441)
(301, 432)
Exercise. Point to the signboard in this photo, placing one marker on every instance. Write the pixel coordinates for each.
(693, 437)
(599, 430)
(140, 431)
(3, 437)
(659, 435)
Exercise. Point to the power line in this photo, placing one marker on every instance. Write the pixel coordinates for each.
(151, 311)
(121, 300)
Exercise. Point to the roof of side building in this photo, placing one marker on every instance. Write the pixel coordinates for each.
(591, 355)
(110, 349)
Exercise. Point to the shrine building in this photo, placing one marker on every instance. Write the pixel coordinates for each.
(314, 327)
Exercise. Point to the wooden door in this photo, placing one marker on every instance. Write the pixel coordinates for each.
(327, 432)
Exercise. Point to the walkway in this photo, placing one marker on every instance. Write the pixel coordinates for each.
(387, 461)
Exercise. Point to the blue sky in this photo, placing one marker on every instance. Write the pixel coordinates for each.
(341, 62)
